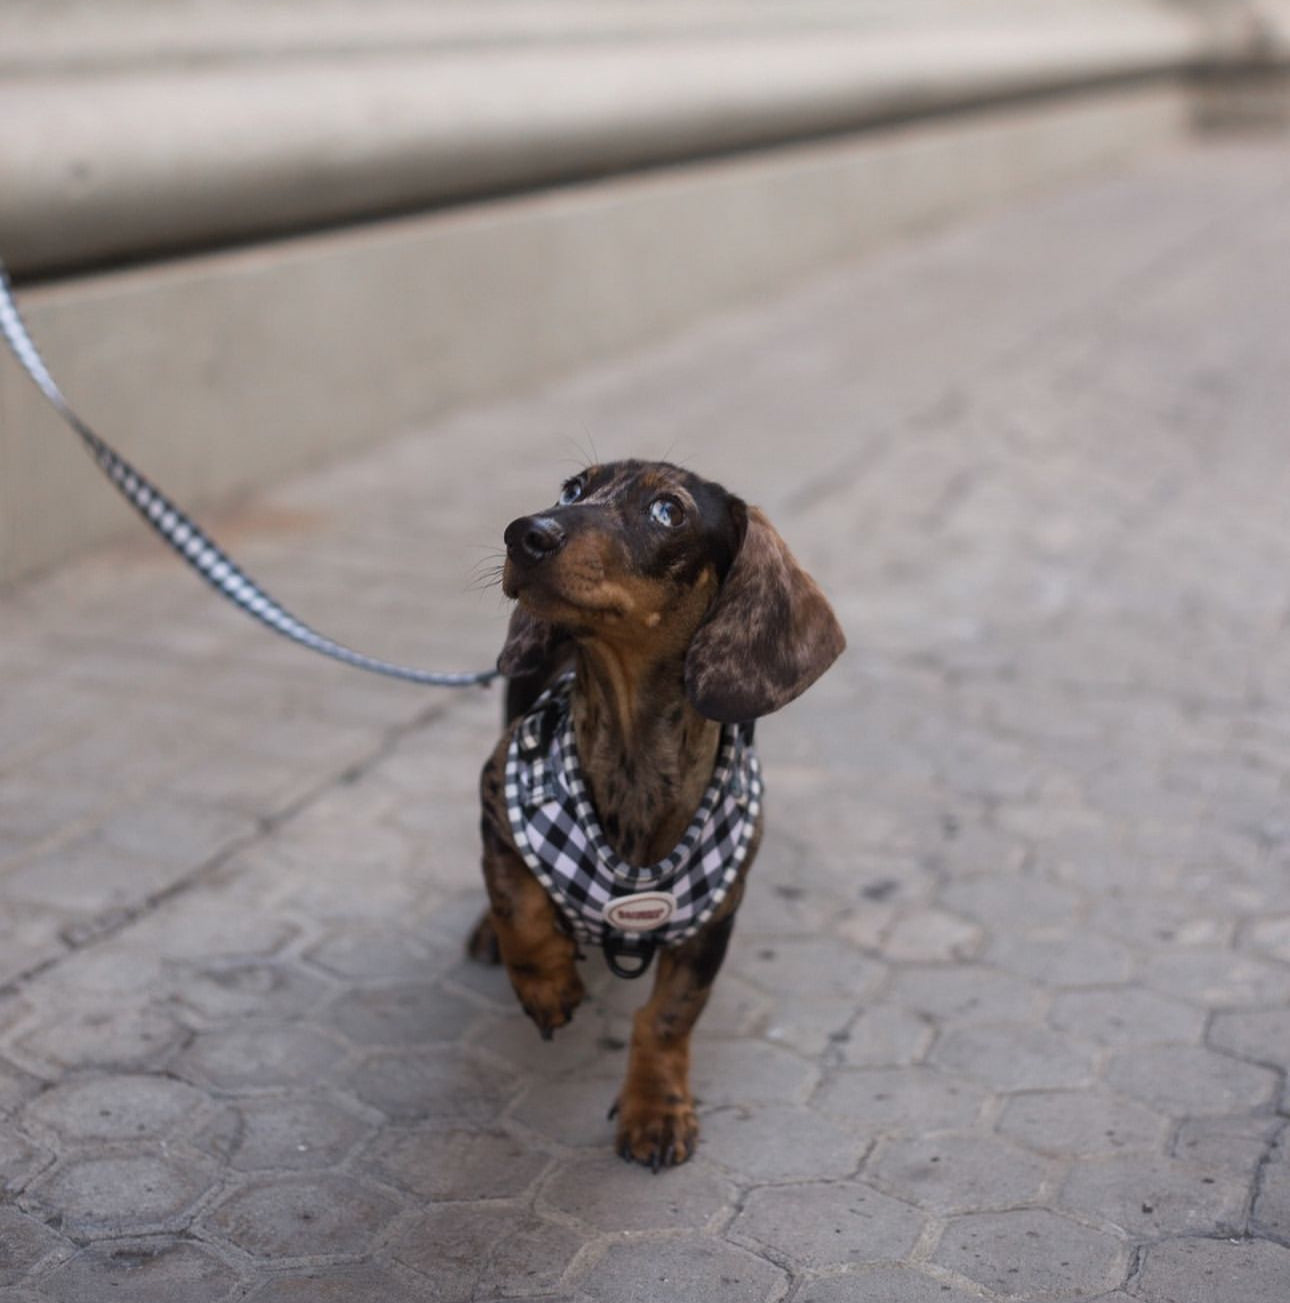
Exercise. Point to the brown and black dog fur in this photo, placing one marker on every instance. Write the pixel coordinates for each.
(679, 608)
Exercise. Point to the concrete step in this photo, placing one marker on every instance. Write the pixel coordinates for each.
(466, 201)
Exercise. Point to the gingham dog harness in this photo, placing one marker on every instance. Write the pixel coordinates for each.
(605, 900)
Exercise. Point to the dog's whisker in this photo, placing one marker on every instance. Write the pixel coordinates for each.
(492, 578)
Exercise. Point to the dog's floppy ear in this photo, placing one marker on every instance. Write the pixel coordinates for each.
(769, 635)
(530, 645)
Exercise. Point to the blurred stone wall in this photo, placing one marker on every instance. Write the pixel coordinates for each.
(251, 235)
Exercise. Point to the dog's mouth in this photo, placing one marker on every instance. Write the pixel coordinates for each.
(566, 599)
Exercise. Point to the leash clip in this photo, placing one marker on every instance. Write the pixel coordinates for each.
(616, 949)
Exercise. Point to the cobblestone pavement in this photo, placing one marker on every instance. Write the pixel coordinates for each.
(1006, 1015)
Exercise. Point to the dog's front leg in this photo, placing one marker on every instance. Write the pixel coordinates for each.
(540, 958)
(657, 1125)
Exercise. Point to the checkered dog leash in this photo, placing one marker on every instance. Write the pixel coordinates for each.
(184, 536)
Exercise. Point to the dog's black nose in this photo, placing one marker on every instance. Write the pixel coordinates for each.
(533, 538)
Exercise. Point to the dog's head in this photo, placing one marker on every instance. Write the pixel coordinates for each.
(653, 561)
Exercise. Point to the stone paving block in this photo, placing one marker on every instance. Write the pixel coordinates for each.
(586, 1045)
(90, 877)
(932, 936)
(1081, 1123)
(572, 1112)
(261, 1058)
(24, 1242)
(358, 874)
(787, 901)
(127, 1194)
(1013, 903)
(36, 938)
(1237, 1143)
(331, 748)
(779, 1143)
(607, 1193)
(487, 983)
(288, 1134)
(34, 810)
(748, 1072)
(142, 1271)
(965, 994)
(114, 1108)
(1156, 920)
(410, 1013)
(480, 1252)
(809, 1024)
(969, 847)
(685, 1267)
(439, 1164)
(885, 1036)
(1182, 1079)
(1149, 1196)
(1212, 1271)
(241, 990)
(888, 1284)
(1218, 979)
(447, 1085)
(1031, 1253)
(1014, 1057)
(31, 937)
(331, 832)
(1125, 1016)
(1258, 1035)
(13, 1010)
(106, 968)
(816, 967)
(374, 953)
(340, 1284)
(239, 780)
(958, 1173)
(1062, 958)
(184, 833)
(323, 1214)
(107, 1034)
(829, 1224)
(20, 1161)
(219, 930)
(1270, 937)
(735, 1007)
(1272, 1204)
(899, 1100)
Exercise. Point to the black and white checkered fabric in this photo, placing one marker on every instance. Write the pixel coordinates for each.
(557, 832)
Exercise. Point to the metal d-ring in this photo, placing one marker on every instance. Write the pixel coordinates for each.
(615, 950)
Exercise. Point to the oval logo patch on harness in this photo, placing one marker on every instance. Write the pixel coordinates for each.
(643, 912)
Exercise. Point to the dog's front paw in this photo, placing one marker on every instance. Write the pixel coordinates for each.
(549, 998)
(656, 1128)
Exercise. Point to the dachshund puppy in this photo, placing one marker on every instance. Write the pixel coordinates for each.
(657, 617)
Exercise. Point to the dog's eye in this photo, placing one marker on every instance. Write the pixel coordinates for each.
(667, 512)
(571, 491)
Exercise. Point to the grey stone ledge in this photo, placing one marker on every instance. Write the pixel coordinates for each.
(248, 135)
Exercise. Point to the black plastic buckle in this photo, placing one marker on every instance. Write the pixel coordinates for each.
(615, 951)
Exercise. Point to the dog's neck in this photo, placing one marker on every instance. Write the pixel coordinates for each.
(646, 753)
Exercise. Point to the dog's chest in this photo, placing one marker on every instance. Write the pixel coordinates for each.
(557, 831)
